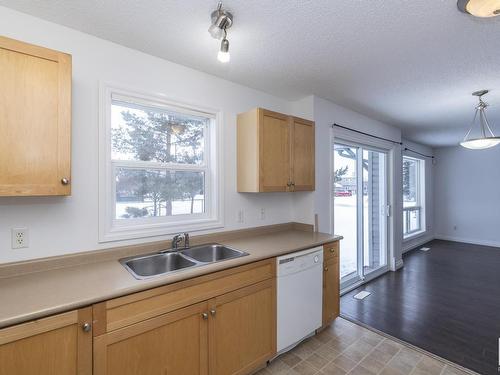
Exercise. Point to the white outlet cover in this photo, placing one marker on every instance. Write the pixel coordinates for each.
(20, 238)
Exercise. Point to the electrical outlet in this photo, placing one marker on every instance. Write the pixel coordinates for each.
(19, 238)
(241, 216)
(262, 214)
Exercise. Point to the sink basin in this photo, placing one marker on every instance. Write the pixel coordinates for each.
(212, 253)
(157, 264)
(168, 261)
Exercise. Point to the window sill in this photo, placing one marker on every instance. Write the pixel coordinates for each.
(412, 236)
(117, 233)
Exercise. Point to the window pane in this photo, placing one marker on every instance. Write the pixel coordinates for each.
(154, 134)
(410, 182)
(411, 221)
(158, 192)
(414, 220)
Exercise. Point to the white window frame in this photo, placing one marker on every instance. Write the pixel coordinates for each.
(112, 229)
(420, 200)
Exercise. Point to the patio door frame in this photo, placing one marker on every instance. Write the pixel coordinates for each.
(365, 143)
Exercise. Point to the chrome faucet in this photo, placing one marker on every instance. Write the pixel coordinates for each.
(177, 239)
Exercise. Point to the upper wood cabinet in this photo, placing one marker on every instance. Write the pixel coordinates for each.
(60, 344)
(35, 120)
(275, 152)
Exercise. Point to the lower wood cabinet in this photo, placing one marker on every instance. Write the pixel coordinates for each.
(173, 343)
(230, 334)
(218, 324)
(243, 329)
(331, 282)
(60, 344)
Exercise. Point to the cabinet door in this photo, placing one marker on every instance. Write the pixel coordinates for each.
(54, 345)
(331, 290)
(303, 173)
(274, 151)
(170, 344)
(243, 329)
(35, 120)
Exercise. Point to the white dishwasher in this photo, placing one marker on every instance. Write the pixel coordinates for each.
(300, 296)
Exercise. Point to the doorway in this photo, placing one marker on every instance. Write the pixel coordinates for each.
(360, 180)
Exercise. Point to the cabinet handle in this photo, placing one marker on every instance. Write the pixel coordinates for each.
(288, 184)
(86, 327)
(64, 181)
(326, 268)
(332, 250)
(204, 316)
(213, 312)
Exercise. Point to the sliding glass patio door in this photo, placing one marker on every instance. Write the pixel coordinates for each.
(360, 204)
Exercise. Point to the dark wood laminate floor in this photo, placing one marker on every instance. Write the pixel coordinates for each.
(446, 301)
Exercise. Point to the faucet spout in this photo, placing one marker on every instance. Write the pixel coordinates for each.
(179, 238)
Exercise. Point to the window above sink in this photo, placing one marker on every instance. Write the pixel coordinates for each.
(159, 166)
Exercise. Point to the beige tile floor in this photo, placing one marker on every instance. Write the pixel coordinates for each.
(347, 348)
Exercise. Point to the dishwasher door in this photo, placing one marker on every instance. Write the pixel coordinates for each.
(300, 296)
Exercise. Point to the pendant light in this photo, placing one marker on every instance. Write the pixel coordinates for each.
(480, 8)
(486, 138)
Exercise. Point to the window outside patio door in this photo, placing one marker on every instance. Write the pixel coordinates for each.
(360, 211)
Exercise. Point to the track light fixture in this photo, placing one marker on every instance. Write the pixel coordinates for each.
(221, 21)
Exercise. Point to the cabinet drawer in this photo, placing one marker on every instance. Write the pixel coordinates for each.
(124, 311)
(331, 250)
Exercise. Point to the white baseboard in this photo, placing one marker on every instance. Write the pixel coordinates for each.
(396, 264)
(467, 240)
(412, 243)
(399, 264)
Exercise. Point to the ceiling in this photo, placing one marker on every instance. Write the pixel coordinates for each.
(412, 64)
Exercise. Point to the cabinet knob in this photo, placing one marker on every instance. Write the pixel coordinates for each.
(86, 327)
(326, 268)
(332, 250)
(213, 312)
(64, 181)
(204, 316)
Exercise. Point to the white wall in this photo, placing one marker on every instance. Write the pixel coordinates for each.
(467, 195)
(59, 225)
(428, 234)
(319, 202)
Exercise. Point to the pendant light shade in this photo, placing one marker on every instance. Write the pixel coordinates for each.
(480, 8)
(484, 137)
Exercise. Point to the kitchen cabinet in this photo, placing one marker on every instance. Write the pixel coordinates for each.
(243, 329)
(173, 343)
(220, 323)
(60, 344)
(35, 120)
(275, 152)
(331, 282)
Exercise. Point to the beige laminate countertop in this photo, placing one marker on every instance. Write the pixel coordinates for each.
(44, 293)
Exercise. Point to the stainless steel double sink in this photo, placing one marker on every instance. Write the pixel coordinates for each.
(168, 261)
